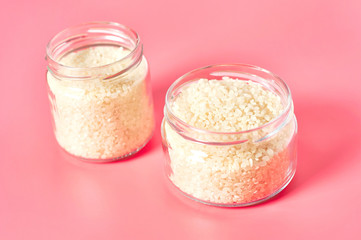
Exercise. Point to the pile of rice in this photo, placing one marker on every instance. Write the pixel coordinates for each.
(101, 118)
(228, 174)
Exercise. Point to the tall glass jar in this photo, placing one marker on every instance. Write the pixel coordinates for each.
(229, 168)
(99, 91)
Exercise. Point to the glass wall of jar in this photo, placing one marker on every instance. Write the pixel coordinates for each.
(99, 91)
(229, 135)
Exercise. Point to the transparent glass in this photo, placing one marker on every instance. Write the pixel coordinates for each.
(103, 112)
(230, 169)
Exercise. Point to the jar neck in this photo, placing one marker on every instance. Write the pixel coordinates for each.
(241, 72)
(92, 35)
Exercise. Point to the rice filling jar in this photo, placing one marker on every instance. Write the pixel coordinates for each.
(229, 135)
(99, 91)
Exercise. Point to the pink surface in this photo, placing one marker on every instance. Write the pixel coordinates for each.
(315, 46)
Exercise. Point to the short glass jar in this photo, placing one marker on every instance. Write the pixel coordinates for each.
(99, 91)
(230, 168)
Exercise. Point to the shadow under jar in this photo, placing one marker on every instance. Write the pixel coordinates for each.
(229, 135)
(99, 91)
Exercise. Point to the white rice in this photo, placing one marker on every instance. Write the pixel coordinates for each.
(97, 118)
(228, 174)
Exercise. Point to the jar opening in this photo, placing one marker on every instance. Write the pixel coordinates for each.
(243, 72)
(89, 35)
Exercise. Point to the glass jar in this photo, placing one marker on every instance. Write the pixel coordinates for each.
(99, 91)
(230, 168)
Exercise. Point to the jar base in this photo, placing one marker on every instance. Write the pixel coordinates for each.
(230, 205)
(108, 160)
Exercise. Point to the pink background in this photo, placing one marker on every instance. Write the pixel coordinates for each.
(315, 46)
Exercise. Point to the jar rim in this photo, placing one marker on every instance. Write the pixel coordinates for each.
(88, 26)
(285, 112)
